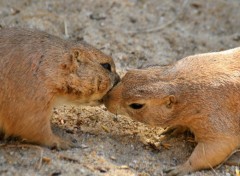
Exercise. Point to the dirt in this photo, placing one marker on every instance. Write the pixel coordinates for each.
(136, 33)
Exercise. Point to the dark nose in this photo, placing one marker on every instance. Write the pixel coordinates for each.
(117, 80)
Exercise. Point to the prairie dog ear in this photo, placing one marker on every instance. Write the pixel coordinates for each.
(75, 55)
(71, 60)
(170, 100)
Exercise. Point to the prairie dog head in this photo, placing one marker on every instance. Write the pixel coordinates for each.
(142, 97)
(91, 75)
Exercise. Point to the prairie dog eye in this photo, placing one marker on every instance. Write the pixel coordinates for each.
(107, 66)
(136, 106)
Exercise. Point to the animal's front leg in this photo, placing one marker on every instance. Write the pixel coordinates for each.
(174, 131)
(206, 155)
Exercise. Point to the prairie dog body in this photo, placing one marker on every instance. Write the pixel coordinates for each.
(200, 92)
(36, 71)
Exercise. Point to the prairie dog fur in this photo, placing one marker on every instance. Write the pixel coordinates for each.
(37, 70)
(199, 92)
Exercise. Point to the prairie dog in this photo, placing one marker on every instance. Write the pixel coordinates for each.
(39, 71)
(199, 92)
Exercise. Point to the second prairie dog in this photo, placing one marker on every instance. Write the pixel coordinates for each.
(200, 92)
(39, 71)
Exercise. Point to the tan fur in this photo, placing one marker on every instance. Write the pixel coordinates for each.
(200, 92)
(39, 71)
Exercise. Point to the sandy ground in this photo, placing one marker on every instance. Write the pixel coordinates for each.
(136, 33)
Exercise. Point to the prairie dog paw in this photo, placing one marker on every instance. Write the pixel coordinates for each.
(176, 171)
(61, 144)
(174, 131)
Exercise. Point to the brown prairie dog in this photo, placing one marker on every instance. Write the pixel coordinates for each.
(39, 71)
(200, 92)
